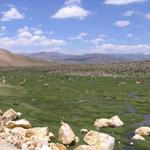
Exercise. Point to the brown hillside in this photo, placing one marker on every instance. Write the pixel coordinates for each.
(8, 59)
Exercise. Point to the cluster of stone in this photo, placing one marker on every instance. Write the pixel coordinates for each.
(141, 132)
(21, 134)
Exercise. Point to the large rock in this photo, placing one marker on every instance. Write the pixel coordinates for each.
(51, 136)
(41, 140)
(57, 146)
(10, 115)
(138, 137)
(99, 123)
(18, 131)
(77, 139)
(143, 131)
(100, 140)
(40, 132)
(1, 128)
(116, 121)
(66, 134)
(85, 147)
(112, 122)
(19, 123)
(14, 136)
(7, 135)
(30, 145)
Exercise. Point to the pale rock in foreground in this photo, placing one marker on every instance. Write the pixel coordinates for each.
(1, 128)
(19, 123)
(44, 147)
(99, 123)
(20, 134)
(18, 131)
(57, 146)
(40, 141)
(10, 115)
(99, 140)
(77, 139)
(40, 132)
(138, 137)
(51, 136)
(112, 122)
(131, 143)
(85, 147)
(143, 131)
(116, 121)
(66, 134)
(84, 131)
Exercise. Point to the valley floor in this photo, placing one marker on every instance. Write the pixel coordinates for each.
(45, 99)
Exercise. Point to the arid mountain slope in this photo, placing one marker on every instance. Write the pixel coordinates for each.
(94, 58)
(8, 59)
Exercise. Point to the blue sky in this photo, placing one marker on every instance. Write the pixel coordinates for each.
(75, 26)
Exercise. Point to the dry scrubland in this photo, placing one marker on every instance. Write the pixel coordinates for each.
(78, 95)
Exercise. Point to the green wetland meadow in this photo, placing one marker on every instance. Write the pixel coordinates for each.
(45, 99)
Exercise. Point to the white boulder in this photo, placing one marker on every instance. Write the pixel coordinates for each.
(138, 137)
(85, 147)
(19, 123)
(9, 115)
(112, 122)
(99, 140)
(57, 146)
(38, 131)
(66, 134)
(143, 131)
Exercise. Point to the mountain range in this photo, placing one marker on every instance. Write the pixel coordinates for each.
(94, 58)
(9, 59)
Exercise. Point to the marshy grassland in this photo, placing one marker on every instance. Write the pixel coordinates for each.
(46, 97)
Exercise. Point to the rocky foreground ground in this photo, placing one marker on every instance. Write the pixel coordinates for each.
(21, 134)
(5, 146)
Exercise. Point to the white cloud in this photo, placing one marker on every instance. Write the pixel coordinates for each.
(122, 49)
(12, 14)
(130, 35)
(73, 2)
(2, 29)
(123, 2)
(99, 39)
(51, 32)
(147, 16)
(122, 23)
(37, 31)
(29, 37)
(24, 32)
(80, 36)
(130, 13)
(71, 12)
(33, 41)
(72, 9)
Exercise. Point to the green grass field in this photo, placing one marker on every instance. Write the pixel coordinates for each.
(46, 99)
